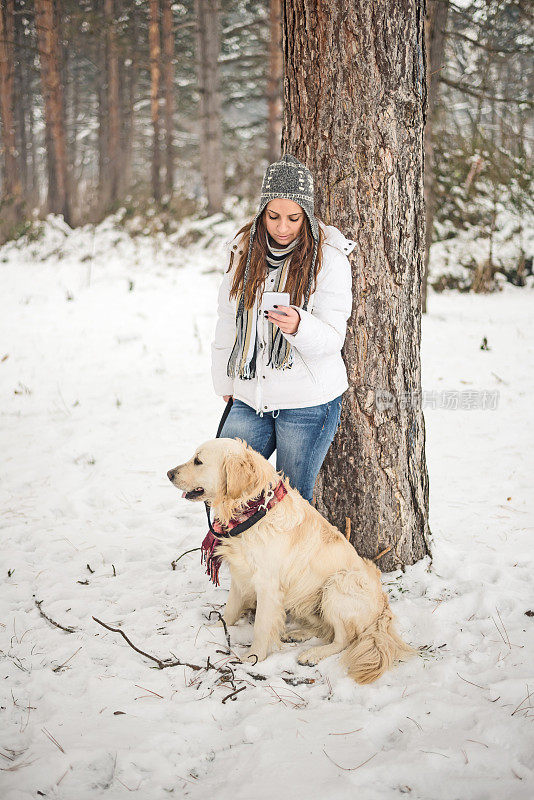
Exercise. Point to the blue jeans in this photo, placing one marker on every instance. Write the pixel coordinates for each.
(301, 437)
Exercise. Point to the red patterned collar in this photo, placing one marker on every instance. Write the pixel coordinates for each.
(262, 503)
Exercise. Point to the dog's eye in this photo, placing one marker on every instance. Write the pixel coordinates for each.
(197, 461)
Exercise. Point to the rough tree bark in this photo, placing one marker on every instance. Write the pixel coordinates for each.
(435, 25)
(274, 82)
(49, 55)
(355, 101)
(168, 91)
(210, 129)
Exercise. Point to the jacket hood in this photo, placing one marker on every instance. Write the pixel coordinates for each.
(334, 237)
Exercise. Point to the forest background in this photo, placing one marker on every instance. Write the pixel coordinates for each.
(165, 110)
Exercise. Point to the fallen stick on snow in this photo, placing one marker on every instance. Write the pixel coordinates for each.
(67, 629)
(226, 672)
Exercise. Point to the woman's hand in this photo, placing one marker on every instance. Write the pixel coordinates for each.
(288, 321)
(226, 397)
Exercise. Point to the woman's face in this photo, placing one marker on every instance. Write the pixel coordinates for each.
(283, 220)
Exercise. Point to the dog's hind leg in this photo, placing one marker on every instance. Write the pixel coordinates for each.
(345, 607)
(297, 635)
(316, 654)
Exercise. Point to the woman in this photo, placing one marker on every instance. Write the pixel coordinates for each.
(283, 367)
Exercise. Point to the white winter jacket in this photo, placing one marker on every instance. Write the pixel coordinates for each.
(318, 373)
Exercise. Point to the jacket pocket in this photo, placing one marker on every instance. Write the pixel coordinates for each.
(312, 376)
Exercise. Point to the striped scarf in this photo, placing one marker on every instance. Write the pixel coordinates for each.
(242, 361)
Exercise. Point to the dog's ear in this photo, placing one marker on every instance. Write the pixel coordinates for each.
(243, 476)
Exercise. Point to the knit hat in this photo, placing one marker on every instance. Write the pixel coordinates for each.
(287, 178)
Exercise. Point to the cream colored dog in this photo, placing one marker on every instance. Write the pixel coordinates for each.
(293, 561)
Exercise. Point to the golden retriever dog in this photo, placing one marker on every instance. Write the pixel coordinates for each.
(292, 560)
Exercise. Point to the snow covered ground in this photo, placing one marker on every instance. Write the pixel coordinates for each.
(104, 365)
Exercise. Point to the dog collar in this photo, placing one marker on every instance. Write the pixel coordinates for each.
(254, 510)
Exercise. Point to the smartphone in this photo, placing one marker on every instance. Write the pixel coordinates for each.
(270, 299)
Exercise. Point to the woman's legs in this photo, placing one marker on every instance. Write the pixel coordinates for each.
(303, 436)
(242, 422)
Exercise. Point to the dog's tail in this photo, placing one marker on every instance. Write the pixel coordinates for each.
(376, 649)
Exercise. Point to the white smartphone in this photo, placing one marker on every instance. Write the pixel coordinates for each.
(270, 299)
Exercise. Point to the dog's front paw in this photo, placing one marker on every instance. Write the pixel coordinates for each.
(309, 658)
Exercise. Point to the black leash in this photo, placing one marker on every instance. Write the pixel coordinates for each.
(217, 436)
(224, 417)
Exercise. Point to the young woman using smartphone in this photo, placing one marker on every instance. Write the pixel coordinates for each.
(281, 362)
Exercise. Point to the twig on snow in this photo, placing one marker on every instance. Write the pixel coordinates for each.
(471, 682)
(52, 739)
(349, 769)
(65, 628)
(517, 708)
(176, 560)
(232, 696)
(162, 664)
(58, 669)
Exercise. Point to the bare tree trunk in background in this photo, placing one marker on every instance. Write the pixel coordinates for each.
(355, 100)
(208, 47)
(155, 72)
(274, 84)
(28, 81)
(73, 148)
(168, 90)
(12, 189)
(130, 95)
(49, 54)
(113, 100)
(435, 25)
(69, 81)
(21, 106)
(100, 58)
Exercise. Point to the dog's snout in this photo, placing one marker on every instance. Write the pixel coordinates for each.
(170, 474)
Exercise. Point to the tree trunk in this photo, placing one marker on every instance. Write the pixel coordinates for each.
(168, 90)
(21, 105)
(100, 58)
(12, 187)
(355, 101)
(155, 71)
(113, 101)
(49, 53)
(210, 135)
(130, 96)
(435, 26)
(274, 83)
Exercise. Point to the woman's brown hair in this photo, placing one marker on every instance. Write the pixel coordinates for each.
(299, 268)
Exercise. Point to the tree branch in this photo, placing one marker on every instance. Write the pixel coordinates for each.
(474, 93)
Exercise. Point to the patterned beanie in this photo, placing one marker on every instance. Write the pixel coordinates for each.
(287, 178)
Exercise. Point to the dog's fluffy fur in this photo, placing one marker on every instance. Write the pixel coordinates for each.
(292, 561)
